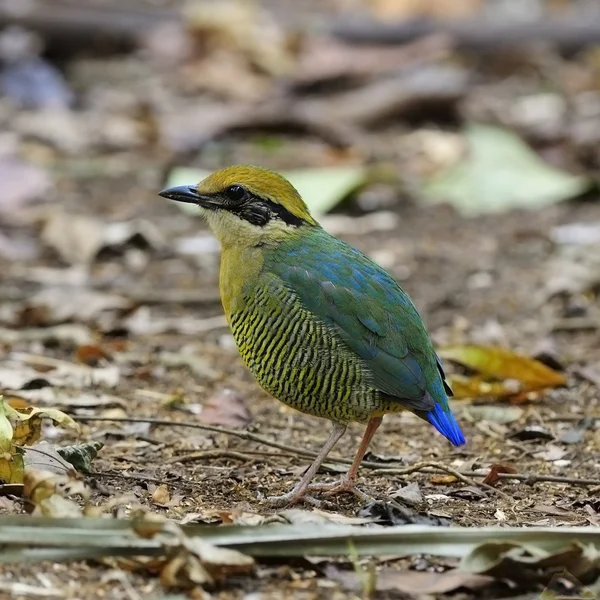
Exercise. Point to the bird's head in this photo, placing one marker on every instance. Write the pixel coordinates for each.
(246, 205)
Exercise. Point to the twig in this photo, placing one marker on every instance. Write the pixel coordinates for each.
(424, 467)
(179, 482)
(475, 34)
(209, 454)
(464, 477)
(244, 435)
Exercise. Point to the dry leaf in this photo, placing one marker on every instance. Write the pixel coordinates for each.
(412, 583)
(443, 479)
(495, 469)
(12, 466)
(551, 453)
(226, 407)
(79, 239)
(49, 493)
(520, 373)
(22, 183)
(161, 495)
(91, 355)
(528, 562)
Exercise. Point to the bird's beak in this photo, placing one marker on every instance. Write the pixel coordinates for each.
(187, 193)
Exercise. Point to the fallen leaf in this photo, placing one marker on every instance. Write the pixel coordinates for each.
(554, 511)
(501, 172)
(492, 477)
(49, 493)
(528, 562)
(81, 455)
(533, 432)
(22, 183)
(576, 434)
(79, 239)
(12, 466)
(161, 495)
(45, 457)
(470, 388)
(394, 513)
(501, 363)
(226, 407)
(54, 305)
(551, 453)
(442, 479)
(412, 583)
(409, 494)
(502, 415)
(197, 561)
(29, 423)
(296, 516)
(91, 355)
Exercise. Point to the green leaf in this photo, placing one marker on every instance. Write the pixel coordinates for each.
(24, 538)
(322, 189)
(82, 455)
(501, 172)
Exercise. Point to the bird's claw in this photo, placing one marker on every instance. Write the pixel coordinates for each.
(289, 499)
(329, 489)
(339, 487)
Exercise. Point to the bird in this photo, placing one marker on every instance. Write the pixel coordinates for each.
(320, 326)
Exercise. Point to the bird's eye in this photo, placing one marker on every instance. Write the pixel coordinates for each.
(235, 193)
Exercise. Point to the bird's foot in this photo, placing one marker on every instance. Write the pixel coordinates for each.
(292, 497)
(339, 487)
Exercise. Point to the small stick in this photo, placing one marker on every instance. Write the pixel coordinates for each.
(209, 454)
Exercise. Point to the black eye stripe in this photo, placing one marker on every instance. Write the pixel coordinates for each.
(256, 209)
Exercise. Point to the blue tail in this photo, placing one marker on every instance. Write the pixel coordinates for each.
(445, 423)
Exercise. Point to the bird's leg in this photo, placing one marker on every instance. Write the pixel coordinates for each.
(348, 482)
(300, 489)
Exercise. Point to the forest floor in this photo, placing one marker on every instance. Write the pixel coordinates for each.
(145, 314)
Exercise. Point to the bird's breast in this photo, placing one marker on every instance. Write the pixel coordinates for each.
(240, 270)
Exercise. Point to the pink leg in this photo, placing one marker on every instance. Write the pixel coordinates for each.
(347, 483)
(300, 489)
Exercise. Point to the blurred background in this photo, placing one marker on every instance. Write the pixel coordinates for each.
(457, 142)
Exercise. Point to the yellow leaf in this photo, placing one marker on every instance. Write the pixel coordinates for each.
(11, 466)
(33, 414)
(501, 363)
(477, 387)
(6, 429)
(28, 432)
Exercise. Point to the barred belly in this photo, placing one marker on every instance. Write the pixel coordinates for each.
(299, 360)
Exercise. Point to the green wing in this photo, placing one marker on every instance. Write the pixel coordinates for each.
(388, 336)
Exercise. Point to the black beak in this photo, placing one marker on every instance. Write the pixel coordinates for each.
(182, 193)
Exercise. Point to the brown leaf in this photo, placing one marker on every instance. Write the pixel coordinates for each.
(443, 479)
(492, 477)
(91, 355)
(226, 407)
(161, 495)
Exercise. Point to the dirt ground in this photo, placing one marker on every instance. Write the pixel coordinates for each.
(144, 305)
